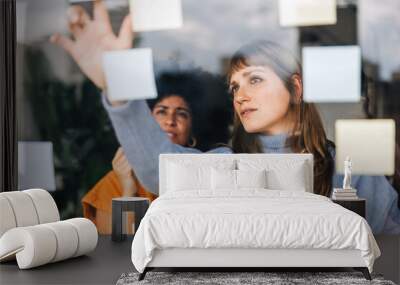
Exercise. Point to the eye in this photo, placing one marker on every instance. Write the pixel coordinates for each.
(183, 114)
(233, 89)
(161, 112)
(255, 80)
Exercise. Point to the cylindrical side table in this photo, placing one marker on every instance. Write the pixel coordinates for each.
(357, 205)
(138, 205)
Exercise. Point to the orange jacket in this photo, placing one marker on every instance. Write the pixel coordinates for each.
(100, 196)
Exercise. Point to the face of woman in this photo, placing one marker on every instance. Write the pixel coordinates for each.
(173, 115)
(261, 100)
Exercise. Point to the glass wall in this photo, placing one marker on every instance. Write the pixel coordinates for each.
(59, 106)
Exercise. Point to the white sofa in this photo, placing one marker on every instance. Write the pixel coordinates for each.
(31, 231)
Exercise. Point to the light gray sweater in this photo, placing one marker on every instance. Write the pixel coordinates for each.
(143, 140)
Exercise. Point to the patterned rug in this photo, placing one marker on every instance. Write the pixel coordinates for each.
(230, 278)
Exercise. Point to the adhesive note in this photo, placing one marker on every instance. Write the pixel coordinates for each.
(156, 14)
(332, 74)
(129, 74)
(307, 12)
(36, 166)
(42, 19)
(369, 143)
(21, 8)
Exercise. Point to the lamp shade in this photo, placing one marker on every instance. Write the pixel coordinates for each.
(36, 166)
(369, 143)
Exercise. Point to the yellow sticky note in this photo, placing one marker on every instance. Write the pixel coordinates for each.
(307, 12)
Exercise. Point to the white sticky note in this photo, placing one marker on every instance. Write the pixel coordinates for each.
(307, 12)
(130, 74)
(21, 8)
(43, 18)
(151, 15)
(36, 166)
(332, 74)
(369, 143)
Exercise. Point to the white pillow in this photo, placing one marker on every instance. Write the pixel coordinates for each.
(187, 175)
(282, 174)
(251, 178)
(183, 178)
(225, 179)
(294, 180)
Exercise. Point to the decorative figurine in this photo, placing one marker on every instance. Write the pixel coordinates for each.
(347, 173)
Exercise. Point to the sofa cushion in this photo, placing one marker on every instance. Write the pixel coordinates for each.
(41, 244)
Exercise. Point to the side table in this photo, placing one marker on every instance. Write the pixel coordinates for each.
(358, 205)
(138, 205)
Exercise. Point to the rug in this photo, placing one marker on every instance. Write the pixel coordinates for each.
(229, 278)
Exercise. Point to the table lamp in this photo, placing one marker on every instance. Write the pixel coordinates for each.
(369, 142)
(36, 166)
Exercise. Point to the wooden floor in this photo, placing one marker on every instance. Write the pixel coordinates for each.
(111, 259)
(103, 266)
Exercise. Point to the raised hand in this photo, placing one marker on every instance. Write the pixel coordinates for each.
(124, 172)
(93, 37)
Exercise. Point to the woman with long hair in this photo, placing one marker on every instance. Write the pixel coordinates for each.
(270, 115)
(265, 81)
(266, 86)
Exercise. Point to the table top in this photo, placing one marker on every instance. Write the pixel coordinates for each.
(124, 199)
(104, 265)
(349, 200)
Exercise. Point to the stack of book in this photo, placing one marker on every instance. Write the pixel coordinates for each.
(344, 194)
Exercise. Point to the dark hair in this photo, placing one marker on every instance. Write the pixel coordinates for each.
(207, 98)
(173, 84)
(308, 134)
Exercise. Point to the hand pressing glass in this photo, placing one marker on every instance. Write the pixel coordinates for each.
(92, 37)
